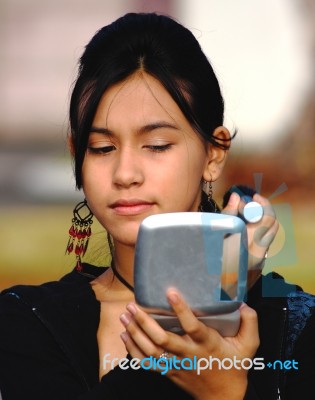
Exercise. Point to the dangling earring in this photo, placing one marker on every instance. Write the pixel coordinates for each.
(210, 192)
(207, 202)
(80, 231)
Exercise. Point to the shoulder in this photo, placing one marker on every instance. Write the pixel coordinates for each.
(30, 314)
(283, 305)
(49, 327)
(52, 305)
(274, 286)
(71, 286)
(301, 316)
(271, 290)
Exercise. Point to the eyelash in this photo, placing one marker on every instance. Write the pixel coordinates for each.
(108, 149)
(101, 150)
(160, 148)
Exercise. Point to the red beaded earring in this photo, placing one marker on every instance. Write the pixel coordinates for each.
(80, 231)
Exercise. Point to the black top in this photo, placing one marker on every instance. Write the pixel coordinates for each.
(49, 350)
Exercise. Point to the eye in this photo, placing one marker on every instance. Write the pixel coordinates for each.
(101, 150)
(159, 148)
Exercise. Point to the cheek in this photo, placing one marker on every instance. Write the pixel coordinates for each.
(194, 162)
(186, 168)
(179, 178)
(93, 168)
(91, 178)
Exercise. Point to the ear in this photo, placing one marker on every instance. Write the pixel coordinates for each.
(216, 156)
(70, 145)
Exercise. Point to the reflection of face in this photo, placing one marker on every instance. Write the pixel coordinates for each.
(143, 158)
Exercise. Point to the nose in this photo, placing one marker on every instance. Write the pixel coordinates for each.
(127, 168)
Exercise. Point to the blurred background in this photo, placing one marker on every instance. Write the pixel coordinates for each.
(263, 54)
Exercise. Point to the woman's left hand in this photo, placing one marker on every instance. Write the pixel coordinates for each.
(260, 235)
(144, 337)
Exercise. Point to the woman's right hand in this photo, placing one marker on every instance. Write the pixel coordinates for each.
(144, 337)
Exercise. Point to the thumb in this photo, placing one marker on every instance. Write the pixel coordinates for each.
(233, 205)
(248, 333)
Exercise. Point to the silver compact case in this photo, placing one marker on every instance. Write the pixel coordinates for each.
(204, 256)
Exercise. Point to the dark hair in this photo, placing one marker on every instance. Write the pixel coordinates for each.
(161, 47)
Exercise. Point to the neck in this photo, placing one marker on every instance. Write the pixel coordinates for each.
(123, 259)
(108, 285)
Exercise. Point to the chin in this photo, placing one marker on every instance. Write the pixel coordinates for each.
(123, 241)
(127, 235)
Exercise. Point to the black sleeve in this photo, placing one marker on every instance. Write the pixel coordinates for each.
(33, 366)
(251, 393)
(300, 380)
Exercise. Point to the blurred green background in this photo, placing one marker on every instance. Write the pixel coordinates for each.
(34, 236)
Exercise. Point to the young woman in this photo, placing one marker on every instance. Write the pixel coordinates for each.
(147, 135)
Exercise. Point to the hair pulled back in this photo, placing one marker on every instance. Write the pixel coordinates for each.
(161, 47)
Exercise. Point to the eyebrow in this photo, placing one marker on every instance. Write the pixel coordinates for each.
(143, 130)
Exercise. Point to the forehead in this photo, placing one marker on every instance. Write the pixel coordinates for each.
(139, 96)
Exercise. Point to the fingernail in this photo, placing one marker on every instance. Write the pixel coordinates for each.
(233, 199)
(124, 319)
(173, 298)
(124, 337)
(258, 197)
(131, 307)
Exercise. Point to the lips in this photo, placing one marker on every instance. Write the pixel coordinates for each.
(131, 206)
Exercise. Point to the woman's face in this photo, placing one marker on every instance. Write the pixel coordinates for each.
(143, 158)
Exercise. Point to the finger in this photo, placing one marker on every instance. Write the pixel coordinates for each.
(268, 220)
(142, 360)
(265, 203)
(189, 322)
(233, 205)
(261, 237)
(248, 333)
(131, 346)
(148, 325)
(266, 238)
(138, 336)
(163, 340)
(262, 234)
(160, 339)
